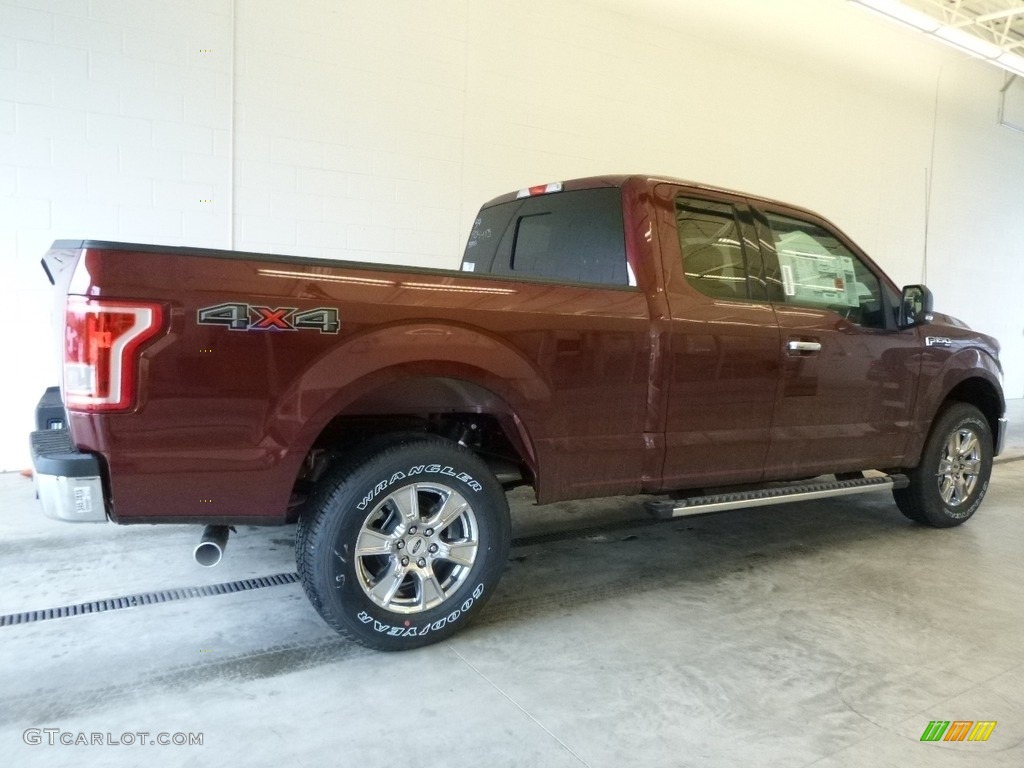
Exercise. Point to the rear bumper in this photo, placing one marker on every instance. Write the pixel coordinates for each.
(68, 482)
(50, 412)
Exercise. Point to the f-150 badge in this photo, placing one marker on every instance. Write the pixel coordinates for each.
(250, 317)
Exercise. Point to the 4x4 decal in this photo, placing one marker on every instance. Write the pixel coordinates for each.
(250, 317)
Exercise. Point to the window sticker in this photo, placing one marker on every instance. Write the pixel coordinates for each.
(787, 280)
(810, 273)
(478, 234)
(468, 266)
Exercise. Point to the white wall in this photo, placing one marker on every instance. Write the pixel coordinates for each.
(373, 130)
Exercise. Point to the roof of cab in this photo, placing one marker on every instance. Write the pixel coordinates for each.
(620, 180)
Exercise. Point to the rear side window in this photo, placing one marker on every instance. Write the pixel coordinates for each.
(712, 247)
(572, 237)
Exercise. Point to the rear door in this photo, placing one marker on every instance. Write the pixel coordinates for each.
(848, 377)
(722, 375)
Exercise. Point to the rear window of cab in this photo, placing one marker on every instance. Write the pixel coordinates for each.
(569, 237)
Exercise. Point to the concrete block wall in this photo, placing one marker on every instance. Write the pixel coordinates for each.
(114, 124)
(373, 131)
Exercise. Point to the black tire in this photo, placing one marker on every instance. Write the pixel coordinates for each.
(401, 546)
(948, 485)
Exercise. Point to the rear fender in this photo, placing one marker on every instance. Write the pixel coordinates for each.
(365, 374)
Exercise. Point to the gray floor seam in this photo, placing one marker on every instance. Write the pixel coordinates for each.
(840, 751)
(518, 706)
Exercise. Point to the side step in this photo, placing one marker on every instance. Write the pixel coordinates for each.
(762, 497)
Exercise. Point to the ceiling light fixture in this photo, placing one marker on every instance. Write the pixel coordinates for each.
(958, 38)
(1012, 62)
(965, 41)
(894, 9)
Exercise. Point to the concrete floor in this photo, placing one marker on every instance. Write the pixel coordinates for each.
(819, 634)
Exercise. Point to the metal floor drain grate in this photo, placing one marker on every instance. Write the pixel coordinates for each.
(148, 598)
(243, 585)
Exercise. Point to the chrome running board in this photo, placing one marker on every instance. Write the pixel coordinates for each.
(761, 497)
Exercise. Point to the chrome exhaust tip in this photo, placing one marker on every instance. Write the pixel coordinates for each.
(211, 546)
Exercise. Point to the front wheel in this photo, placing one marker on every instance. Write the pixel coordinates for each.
(400, 548)
(951, 480)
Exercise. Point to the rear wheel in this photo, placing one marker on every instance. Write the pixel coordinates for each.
(401, 547)
(950, 482)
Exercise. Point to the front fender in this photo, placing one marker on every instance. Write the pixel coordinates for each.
(942, 373)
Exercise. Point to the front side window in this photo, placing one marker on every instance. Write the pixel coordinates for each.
(816, 270)
(713, 254)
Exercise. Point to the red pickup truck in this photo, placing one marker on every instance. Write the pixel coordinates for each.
(612, 335)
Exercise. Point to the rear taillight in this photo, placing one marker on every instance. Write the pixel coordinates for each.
(101, 338)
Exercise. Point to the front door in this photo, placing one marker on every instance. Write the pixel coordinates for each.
(848, 377)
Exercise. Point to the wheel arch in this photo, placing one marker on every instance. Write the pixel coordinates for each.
(445, 403)
(451, 401)
(402, 371)
(983, 395)
(977, 384)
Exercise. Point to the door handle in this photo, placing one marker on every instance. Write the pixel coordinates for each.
(803, 346)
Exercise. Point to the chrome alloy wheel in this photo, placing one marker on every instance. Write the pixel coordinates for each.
(959, 467)
(416, 547)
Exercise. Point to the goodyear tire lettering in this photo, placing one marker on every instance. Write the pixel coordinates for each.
(420, 631)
